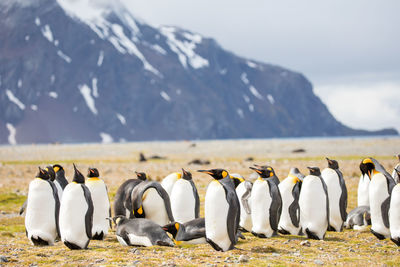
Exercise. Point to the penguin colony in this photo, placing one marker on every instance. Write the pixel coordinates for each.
(148, 213)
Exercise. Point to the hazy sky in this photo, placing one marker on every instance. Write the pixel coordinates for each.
(349, 50)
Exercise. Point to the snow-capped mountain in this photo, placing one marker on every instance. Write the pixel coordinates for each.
(88, 71)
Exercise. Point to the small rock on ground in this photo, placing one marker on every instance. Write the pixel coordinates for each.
(319, 262)
(3, 259)
(243, 258)
(305, 243)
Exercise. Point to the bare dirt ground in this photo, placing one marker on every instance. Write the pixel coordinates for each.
(117, 162)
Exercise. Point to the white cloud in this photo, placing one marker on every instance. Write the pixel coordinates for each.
(370, 106)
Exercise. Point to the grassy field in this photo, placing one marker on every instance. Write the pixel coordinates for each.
(117, 162)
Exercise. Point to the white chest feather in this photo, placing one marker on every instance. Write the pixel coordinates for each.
(363, 191)
(285, 222)
(394, 212)
(216, 213)
(154, 207)
(260, 205)
(168, 182)
(101, 205)
(331, 179)
(72, 215)
(182, 201)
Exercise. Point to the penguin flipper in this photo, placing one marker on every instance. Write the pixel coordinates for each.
(343, 196)
(23, 207)
(57, 206)
(233, 215)
(294, 208)
(276, 205)
(167, 203)
(89, 212)
(246, 196)
(385, 211)
(327, 198)
(197, 200)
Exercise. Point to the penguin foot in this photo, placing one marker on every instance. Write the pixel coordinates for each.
(39, 242)
(378, 235)
(331, 228)
(243, 230)
(396, 241)
(283, 232)
(215, 246)
(258, 235)
(71, 246)
(240, 235)
(166, 244)
(98, 236)
(311, 235)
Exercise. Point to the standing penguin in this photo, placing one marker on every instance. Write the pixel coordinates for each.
(185, 201)
(394, 213)
(222, 212)
(363, 187)
(289, 223)
(243, 192)
(101, 205)
(76, 213)
(122, 199)
(268, 170)
(43, 205)
(337, 192)
(169, 181)
(52, 175)
(151, 201)
(396, 170)
(314, 205)
(380, 189)
(266, 204)
(60, 175)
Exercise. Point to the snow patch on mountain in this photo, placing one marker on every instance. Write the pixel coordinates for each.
(271, 99)
(106, 138)
(244, 79)
(14, 99)
(100, 59)
(94, 86)
(86, 93)
(46, 31)
(53, 94)
(12, 133)
(240, 113)
(64, 56)
(34, 107)
(121, 118)
(255, 92)
(165, 96)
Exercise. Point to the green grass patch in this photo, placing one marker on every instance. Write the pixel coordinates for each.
(11, 202)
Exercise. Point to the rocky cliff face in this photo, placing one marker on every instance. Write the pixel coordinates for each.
(72, 71)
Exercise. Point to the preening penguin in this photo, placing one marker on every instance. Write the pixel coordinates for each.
(122, 199)
(222, 212)
(151, 201)
(140, 232)
(169, 181)
(243, 192)
(358, 218)
(394, 213)
(337, 193)
(314, 205)
(192, 232)
(266, 204)
(237, 179)
(43, 205)
(363, 187)
(101, 204)
(289, 188)
(380, 189)
(396, 171)
(76, 213)
(185, 201)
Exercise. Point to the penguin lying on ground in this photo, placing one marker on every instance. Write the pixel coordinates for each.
(122, 199)
(337, 193)
(243, 192)
(222, 211)
(101, 204)
(140, 232)
(76, 213)
(266, 204)
(151, 201)
(185, 201)
(314, 205)
(358, 218)
(289, 223)
(192, 232)
(394, 213)
(42, 210)
(380, 189)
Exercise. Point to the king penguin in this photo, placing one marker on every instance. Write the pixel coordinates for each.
(122, 199)
(394, 213)
(168, 182)
(396, 170)
(314, 205)
(76, 213)
(266, 203)
(60, 175)
(380, 189)
(363, 187)
(185, 201)
(151, 201)
(243, 192)
(337, 192)
(101, 204)
(268, 170)
(140, 232)
(43, 205)
(52, 175)
(222, 211)
(191, 232)
(289, 223)
(358, 218)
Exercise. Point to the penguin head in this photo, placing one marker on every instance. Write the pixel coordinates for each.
(333, 164)
(217, 174)
(141, 176)
(172, 228)
(51, 172)
(367, 166)
(119, 219)
(92, 172)
(264, 171)
(57, 168)
(236, 178)
(186, 175)
(295, 173)
(78, 176)
(43, 174)
(314, 171)
(139, 213)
